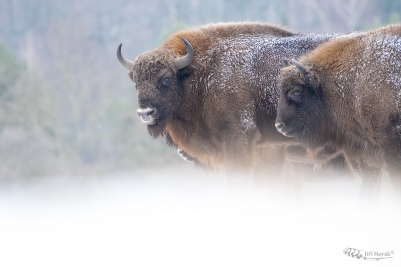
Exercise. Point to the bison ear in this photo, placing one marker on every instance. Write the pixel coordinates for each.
(287, 62)
(308, 76)
(312, 81)
(131, 75)
(300, 67)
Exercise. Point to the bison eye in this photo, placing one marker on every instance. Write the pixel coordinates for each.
(294, 94)
(167, 82)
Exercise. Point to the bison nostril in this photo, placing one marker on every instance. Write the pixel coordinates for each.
(142, 112)
(279, 125)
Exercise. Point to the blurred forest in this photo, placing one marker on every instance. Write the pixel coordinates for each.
(67, 105)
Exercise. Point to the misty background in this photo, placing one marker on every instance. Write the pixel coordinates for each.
(67, 105)
(82, 183)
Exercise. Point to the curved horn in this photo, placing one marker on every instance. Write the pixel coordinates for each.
(128, 64)
(184, 61)
(299, 66)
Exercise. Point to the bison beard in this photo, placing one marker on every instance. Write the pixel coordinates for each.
(158, 128)
(220, 105)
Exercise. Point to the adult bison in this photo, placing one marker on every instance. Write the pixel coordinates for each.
(211, 91)
(348, 92)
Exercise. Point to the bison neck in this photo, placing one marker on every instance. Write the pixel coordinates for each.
(360, 90)
(351, 122)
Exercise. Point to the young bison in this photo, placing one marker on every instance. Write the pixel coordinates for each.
(348, 92)
(212, 92)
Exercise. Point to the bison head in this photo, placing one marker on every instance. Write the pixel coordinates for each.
(300, 110)
(155, 74)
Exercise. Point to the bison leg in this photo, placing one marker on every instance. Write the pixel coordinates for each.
(269, 164)
(371, 178)
(394, 170)
(395, 175)
(392, 150)
(238, 159)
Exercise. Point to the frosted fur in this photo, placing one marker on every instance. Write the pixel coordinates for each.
(249, 58)
(249, 53)
(224, 103)
(371, 81)
(357, 80)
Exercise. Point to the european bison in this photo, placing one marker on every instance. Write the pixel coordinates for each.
(211, 91)
(348, 92)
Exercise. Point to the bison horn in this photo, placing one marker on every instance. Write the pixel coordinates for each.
(299, 66)
(182, 62)
(128, 64)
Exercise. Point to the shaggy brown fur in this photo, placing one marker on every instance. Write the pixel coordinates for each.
(221, 108)
(350, 94)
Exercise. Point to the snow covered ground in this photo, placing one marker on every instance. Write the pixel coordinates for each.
(187, 218)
